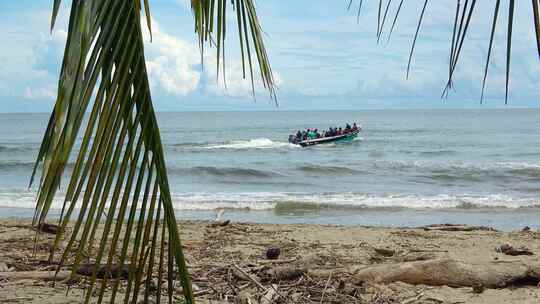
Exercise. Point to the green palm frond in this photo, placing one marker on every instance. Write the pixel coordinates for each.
(117, 203)
(465, 10)
(120, 152)
(211, 27)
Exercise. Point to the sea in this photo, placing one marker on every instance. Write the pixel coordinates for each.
(407, 168)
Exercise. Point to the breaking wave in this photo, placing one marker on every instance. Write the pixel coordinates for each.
(285, 202)
(327, 170)
(227, 172)
(16, 148)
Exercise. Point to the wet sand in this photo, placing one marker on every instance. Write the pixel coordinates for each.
(327, 254)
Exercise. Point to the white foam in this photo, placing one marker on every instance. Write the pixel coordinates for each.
(269, 200)
(258, 143)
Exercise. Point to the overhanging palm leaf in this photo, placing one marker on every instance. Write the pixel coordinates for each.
(119, 178)
(463, 17)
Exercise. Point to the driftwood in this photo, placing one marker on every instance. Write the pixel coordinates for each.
(115, 271)
(284, 273)
(510, 250)
(219, 223)
(455, 227)
(385, 252)
(48, 228)
(451, 273)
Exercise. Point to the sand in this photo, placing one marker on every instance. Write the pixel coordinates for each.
(212, 252)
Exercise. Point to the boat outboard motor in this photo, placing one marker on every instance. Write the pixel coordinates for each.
(291, 139)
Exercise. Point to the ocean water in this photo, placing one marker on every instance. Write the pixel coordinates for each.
(407, 168)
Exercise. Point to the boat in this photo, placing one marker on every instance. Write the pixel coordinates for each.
(332, 139)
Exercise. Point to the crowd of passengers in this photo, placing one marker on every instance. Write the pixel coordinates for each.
(310, 134)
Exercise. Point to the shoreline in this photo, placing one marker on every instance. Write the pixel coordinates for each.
(504, 219)
(331, 258)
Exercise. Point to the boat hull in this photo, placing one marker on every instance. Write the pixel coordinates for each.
(340, 138)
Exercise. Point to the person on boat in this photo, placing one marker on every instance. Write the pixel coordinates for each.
(298, 136)
(317, 134)
(311, 134)
(340, 131)
(354, 127)
(347, 128)
(291, 139)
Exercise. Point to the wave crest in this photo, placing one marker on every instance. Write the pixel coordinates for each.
(258, 143)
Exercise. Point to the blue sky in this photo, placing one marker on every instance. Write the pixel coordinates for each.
(322, 58)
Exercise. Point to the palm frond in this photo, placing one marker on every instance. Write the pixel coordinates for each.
(211, 27)
(120, 157)
(490, 48)
(461, 26)
(395, 20)
(511, 9)
(416, 36)
(536, 16)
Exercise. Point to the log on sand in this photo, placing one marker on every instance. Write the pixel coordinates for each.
(450, 272)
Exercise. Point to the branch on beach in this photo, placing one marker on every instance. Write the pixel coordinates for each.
(452, 273)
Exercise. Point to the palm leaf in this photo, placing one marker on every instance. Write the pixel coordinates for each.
(511, 8)
(536, 23)
(120, 157)
(383, 20)
(211, 27)
(118, 193)
(395, 20)
(461, 25)
(416, 36)
(491, 38)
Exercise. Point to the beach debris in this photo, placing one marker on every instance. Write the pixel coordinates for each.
(284, 273)
(48, 228)
(526, 229)
(273, 253)
(330, 272)
(456, 227)
(270, 295)
(478, 288)
(104, 271)
(510, 250)
(220, 223)
(245, 297)
(450, 272)
(385, 252)
(249, 277)
(4, 267)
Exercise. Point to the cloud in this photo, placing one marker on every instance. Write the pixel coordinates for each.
(172, 62)
(174, 66)
(29, 58)
(39, 93)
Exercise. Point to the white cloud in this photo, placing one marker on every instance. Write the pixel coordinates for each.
(174, 65)
(40, 93)
(28, 58)
(171, 62)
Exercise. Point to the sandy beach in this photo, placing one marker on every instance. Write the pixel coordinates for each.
(316, 264)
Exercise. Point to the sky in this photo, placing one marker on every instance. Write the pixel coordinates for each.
(322, 58)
